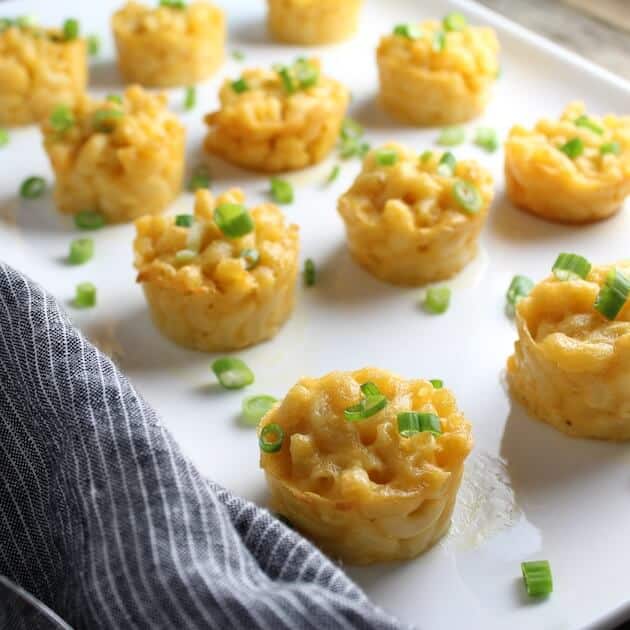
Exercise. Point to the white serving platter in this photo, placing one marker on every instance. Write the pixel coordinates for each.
(529, 492)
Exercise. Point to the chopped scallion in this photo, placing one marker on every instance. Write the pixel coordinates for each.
(437, 300)
(425, 156)
(173, 4)
(439, 41)
(573, 148)
(114, 98)
(281, 190)
(371, 404)
(104, 120)
(33, 187)
(451, 136)
(334, 174)
(306, 73)
(232, 373)
(370, 389)
(199, 179)
(410, 31)
(613, 294)
(238, 55)
(255, 407)
(613, 148)
(454, 22)
(89, 220)
(70, 29)
(81, 250)
(310, 274)
(240, 85)
(386, 157)
(588, 123)
(251, 257)
(437, 383)
(287, 80)
(4, 137)
(85, 296)
(487, 139)
(467, 196)
(271, 438)
(93, 45)
(571, 267)
(537, 578)
(519, 288)
(233, 220)
(184, 220)
(446, 165)
(190, 97)
(412, 422)
(61, 118)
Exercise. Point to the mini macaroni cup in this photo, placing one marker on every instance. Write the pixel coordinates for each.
(312, 22)
(572, 170)
(436, 73)
(276, 120)
(121, 158)
(168, 46)
(413, 219)
(221, 279)
(367, 464)
(38, 69)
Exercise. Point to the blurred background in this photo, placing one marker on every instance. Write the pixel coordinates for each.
(596, 29)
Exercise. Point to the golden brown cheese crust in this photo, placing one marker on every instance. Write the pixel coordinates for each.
(213, 302)
(424, 86)
(570, 366)
(167, 47)
(132, 169)
(312, 22)
(362, 491)
(543, 180)
(38, 70)
(266, 129)
(403, 223)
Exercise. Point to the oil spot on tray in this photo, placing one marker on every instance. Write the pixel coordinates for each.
(486, 504)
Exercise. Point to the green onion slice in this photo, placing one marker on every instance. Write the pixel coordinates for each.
(613, 294)
(233, 220)
(255, 407)
(93, 45)
(537, 578)
(199, 179)
(173, 4)
(81, 250)
(467, 196)
(4, 137)
(334, 174)
(184, 220)
(70, 29)
(104, 120)
(287, 80)
(238, 55)
(437, 383)
(370, 389)
(190, 97)
(439, 41)
(573, 148)
(487, 139)
(437, 300)
(412, 422)
(571, 267)
(85, 296)
(33, 187)
(61, 118)
(240, 86)
(519, 288)
(386, 157)
(451, 136)
(251, 257)
(410, 31)
(425, 156)
(610, 147)
(587, 123)
(446, 165)
(89, 220)
(306, 74)
(351, 129)
(114, 98)
(271, 438)
(281, 190)
(310, 275)
(185, 256)
(232, 373)
(454, 22)
(368, 406)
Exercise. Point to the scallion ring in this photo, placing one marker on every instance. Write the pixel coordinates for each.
(613, 148)
(409, 31)
(33, 187)
(310, 274)
(573, 148)
(85, 296)
(61, 118)
(232, 373)
(184, 220)
(70, 29)
(537, 578)
(81, 250)
(571, 267)
(104, 120)
(437, 383)
(467, 196)
(587, 123)
(233, 220)
(437, 300)
(519, 288)
(446, 165)
(281, 190)
(454, 22)
(451, 136)
(240, 86)
(271, 438)
(89, 220)
(386, 157)
(251, 257)
(613, 294)
(255, 407)
(412, 422)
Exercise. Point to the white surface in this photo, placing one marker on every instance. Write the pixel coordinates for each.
(551, 497)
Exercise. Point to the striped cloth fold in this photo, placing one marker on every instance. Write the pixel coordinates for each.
(108, 523)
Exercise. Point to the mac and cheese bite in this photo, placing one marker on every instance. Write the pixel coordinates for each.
(366, 463)
(275, 120)
(573, 170)
(312, 21)
(435, 73)
(221, 279)
(167, 46)
(572, 359)
(39, 67)
(415, 219)
(122, 157)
